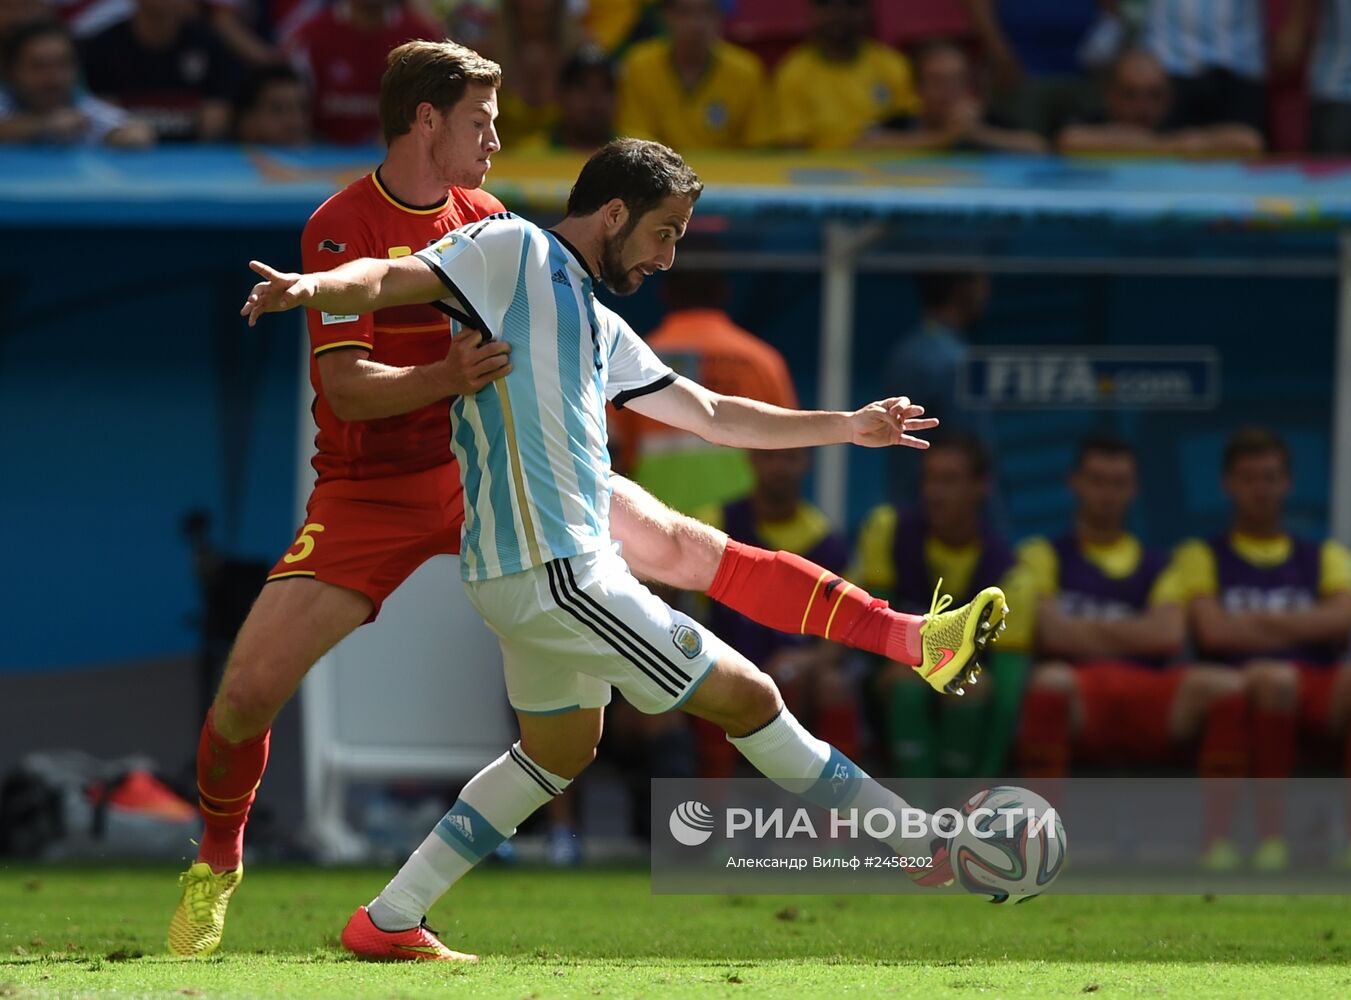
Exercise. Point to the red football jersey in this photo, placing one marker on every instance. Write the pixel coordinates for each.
(345, 65)
(364, 220)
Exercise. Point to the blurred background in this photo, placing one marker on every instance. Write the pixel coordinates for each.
(1052, 221)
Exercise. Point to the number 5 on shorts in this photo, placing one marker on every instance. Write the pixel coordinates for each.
(304, 542)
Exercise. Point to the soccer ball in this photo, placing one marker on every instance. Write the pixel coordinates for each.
(1010, 856)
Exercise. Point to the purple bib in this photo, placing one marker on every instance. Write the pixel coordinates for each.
(1290, 586)
(1085, 591)
(915, 584)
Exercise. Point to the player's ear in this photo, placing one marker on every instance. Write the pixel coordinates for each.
(614, 214)
(425, 117)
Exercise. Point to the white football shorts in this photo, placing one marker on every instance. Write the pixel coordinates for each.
(574, 627)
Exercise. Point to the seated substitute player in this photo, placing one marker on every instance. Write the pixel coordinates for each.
(1278, 607)
(538, 560)
(1110, 624)
(908, 555)
(388, 495)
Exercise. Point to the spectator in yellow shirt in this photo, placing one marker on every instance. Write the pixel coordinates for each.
(586, 105)
(532, 41)
(692, 90)
(837, 88)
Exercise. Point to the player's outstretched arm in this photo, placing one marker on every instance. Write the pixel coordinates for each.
(748, 423)
(354, 288)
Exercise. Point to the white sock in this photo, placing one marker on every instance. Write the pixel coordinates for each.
(490, 807)
(794, 759)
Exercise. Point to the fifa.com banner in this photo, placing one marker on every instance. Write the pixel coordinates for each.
(1008, 840)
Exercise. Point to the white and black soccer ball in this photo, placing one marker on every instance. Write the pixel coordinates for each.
(1009, 856)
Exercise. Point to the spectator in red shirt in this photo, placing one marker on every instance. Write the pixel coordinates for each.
(342, 50)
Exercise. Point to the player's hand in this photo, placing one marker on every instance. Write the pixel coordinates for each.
(966, 118)
(471, 364)
(65, 124)
(282, 290)
(891, 421)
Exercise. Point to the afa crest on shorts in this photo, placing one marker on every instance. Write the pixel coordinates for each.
(688, 641)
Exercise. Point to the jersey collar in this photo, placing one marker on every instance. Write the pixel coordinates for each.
(576, 256)
(403, 205)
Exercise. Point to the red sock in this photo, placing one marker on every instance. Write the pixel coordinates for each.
(1044, 736)
(1222, 760)
(227, 779)
(1346, 770)
(788, 593)
(838, 725)
(1273, 760)
(717, 756)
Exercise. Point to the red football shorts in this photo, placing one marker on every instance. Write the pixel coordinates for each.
(1126, 710)
(369, 535)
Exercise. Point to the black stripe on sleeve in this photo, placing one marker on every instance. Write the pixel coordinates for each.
(628, 395)
(469, 315)
(557, 588)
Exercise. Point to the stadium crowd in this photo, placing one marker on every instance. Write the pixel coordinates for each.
(1124, 76)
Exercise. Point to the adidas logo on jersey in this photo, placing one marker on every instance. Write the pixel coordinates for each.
(560, 277)
(462, 825)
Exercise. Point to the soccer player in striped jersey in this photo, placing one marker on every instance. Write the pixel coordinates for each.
(388, 495)
(538, 557)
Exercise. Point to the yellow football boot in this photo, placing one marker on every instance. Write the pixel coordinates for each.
(196, 927)
(953, 639)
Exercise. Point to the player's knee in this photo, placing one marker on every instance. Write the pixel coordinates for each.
(1053, 675)
(1212, 685)
(1272, 684)
(243, 709)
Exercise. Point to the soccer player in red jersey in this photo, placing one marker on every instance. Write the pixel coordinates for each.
(389, 496)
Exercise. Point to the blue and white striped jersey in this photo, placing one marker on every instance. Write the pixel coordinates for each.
(1330, 68)
(533, 447)
(1191, 36)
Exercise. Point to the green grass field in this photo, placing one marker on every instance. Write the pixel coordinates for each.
(99, 932)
